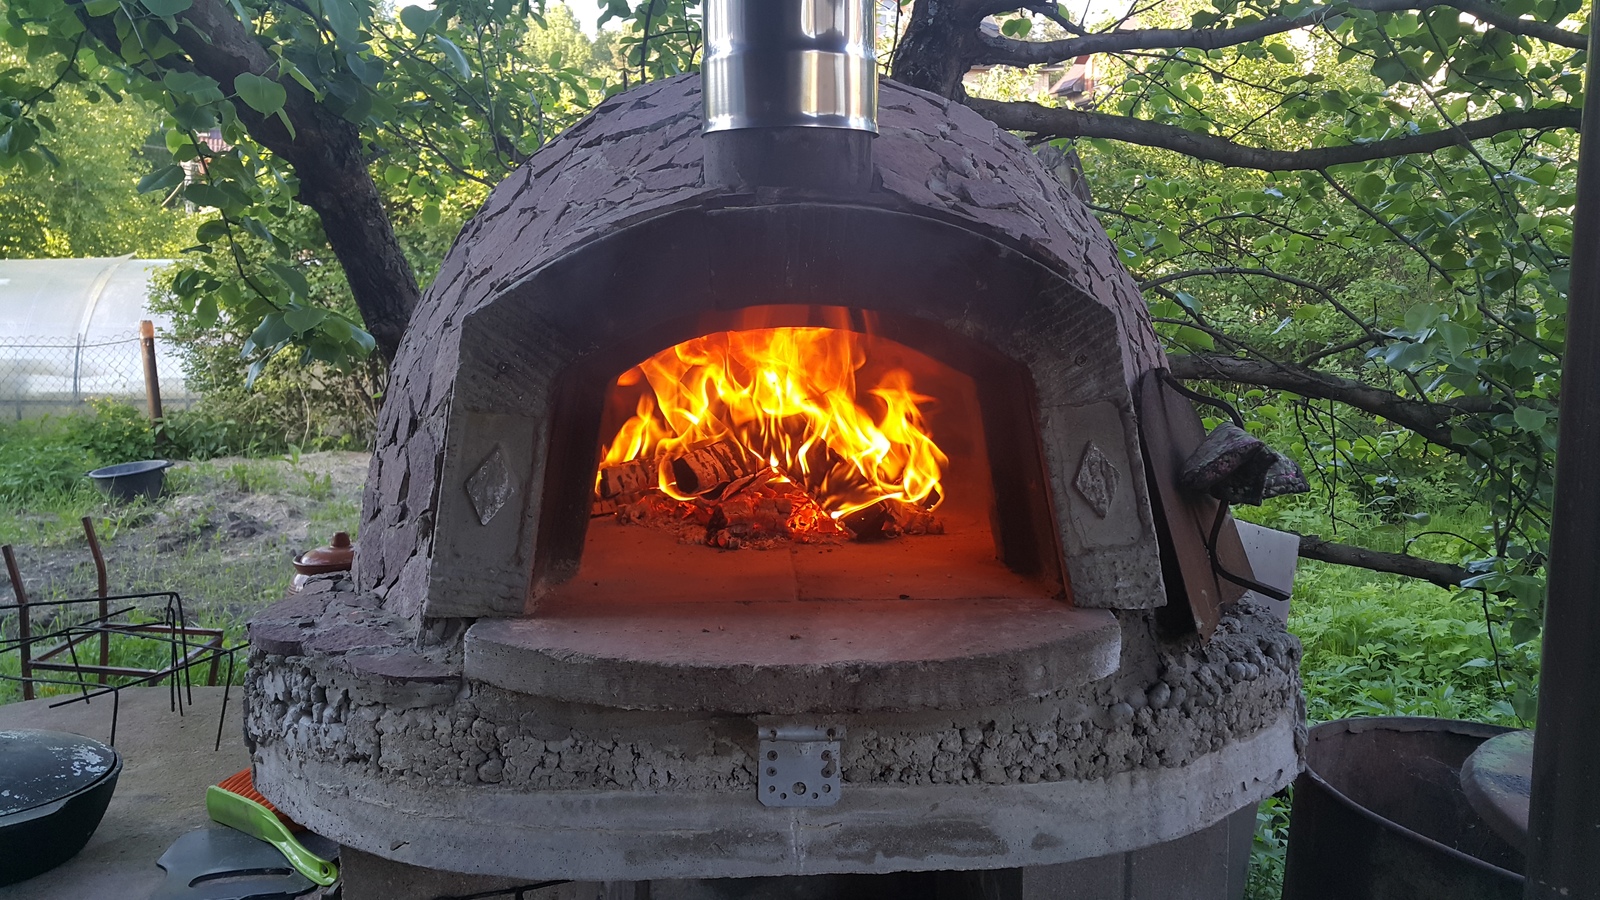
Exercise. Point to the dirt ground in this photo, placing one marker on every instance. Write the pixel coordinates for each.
(222, 534)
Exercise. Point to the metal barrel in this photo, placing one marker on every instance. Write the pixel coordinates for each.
(778, 63)
(1379, 814)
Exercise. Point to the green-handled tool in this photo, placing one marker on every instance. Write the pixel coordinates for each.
(250, 817)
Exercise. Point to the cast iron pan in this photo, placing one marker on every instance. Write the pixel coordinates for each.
(54, 788)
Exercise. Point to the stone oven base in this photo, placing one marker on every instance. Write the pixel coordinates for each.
(632, 835)
(390, 749)
(1210, 864)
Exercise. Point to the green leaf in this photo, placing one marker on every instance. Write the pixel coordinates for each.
(17, 138)
(255, 372)
(342, 18)
(430, 214)
(209, 232)
(418, 20)
(293, 71)
(272, 332)
(32, 162)
(1017, 28)
(1421, 315)
(1194, 337)
(304, 318)
(1189, 302)
(368, 70)
(192, 87)
(1405, 355)
(1457, 338)
(260, 93)
(1281, 53)
(394, 174)
(454, 54)
(1391, 70)
(201, 194)
(166, 8)
(161, 179)
(205, 312)
(291, 278)
(1529, 419)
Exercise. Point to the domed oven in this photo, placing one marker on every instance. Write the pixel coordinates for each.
(759, 498)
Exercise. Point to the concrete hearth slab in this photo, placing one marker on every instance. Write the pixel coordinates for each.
(797, 657)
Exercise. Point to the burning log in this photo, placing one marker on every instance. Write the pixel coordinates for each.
(734, 488)
(631, 477)
(914, 519)
(889, 519)
(701, 470)
(872, 523)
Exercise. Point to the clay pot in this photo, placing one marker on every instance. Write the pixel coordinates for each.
(335, 557)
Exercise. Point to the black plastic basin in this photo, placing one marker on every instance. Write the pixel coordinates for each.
(126, 481)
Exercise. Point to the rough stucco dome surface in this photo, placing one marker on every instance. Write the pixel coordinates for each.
(638, 156)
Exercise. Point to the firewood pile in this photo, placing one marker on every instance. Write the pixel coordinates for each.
(736, 501)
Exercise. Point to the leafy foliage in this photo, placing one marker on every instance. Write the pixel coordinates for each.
(1437, 279)
(446, 101)
(87, 154)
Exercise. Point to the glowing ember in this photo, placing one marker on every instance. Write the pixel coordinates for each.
(776, 404)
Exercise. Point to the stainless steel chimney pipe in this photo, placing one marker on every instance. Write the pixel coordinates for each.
(778, 63)
(790, 92)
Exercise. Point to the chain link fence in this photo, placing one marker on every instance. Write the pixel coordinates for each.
(45, 376)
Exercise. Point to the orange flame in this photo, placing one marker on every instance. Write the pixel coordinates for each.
(785, 396)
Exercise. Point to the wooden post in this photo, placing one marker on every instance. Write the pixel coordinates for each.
(1563, 828)
(152, 382)
(24, 627)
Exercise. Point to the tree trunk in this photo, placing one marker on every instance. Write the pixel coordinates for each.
(938, 46)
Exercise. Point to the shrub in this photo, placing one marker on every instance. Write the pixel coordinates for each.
(113, 433)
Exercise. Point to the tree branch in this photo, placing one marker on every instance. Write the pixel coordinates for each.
(998, 50)
(1444, 575)
(1063, 122)
(326, 154)
(1429, 420)
(327, 157)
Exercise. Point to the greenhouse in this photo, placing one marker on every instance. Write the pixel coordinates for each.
(69, 333)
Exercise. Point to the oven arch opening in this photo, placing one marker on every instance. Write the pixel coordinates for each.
(645, 606)
(998, 540)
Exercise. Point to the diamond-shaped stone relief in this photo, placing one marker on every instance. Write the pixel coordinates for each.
(1097, 479)
(490, 487)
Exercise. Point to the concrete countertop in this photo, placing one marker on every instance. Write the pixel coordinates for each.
(168, 762)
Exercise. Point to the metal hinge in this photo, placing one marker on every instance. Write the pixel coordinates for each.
(799, 765)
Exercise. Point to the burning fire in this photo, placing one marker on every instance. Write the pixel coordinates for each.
(784, 400)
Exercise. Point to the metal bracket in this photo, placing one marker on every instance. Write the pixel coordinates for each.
(799, 765)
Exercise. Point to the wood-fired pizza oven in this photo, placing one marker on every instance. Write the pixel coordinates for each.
(721, 436)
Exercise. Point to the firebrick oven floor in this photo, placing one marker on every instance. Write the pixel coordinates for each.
(630, 563)
(932, 622)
